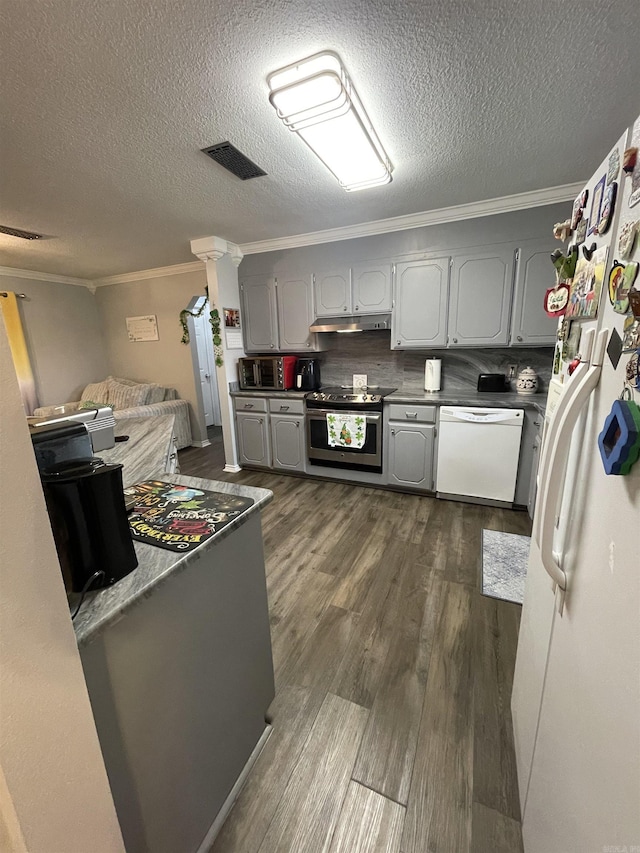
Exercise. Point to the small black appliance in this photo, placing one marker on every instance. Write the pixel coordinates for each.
(308, 374)
(495, 383)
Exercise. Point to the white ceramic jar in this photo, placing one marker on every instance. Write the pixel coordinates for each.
(527, 381)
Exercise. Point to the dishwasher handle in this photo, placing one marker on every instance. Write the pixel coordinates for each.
(479, 417)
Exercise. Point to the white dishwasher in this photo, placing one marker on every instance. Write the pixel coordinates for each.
(478, 452)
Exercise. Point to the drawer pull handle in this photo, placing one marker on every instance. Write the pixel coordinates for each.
(413, 415)
(284, 408)
(248, 405)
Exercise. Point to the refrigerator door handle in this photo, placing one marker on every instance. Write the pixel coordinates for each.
(558, 454)
(549, 436)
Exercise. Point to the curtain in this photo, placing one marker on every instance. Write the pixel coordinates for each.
(18, 347)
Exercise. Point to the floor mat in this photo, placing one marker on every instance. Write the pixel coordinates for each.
(504, 564)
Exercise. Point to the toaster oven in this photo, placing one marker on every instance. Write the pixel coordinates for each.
(267, 372)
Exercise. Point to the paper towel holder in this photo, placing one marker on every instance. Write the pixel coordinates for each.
(432, 375)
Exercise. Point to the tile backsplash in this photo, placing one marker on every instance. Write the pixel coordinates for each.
(370, 353)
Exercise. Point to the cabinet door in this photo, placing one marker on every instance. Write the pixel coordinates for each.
(481, 285)
(260, 317)
(333, 293)
(533, 483)
(420, 304)
(411, 455)
(253, 439)
(371, 288)
(530, 325)
(295, 313)
(287, 439)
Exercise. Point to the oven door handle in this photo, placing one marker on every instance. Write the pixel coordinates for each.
(321, 414)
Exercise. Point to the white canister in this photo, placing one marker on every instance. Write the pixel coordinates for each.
(527, 381)
(432, 372)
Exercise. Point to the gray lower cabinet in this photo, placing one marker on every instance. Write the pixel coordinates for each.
(480, 299)
(528, 463)
(420, 297)
(410, 455)
(533, 482)
(288, 442)
(253, 439)
(530, 325)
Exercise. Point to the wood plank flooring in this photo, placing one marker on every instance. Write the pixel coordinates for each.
(391, 724)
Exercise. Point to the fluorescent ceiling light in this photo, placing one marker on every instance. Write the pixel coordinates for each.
(316, 99)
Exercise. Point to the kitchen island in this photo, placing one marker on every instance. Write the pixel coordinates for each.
(177, 660)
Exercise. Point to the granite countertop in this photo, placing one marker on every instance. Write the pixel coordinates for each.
(145, 454)
(271, 393)
(155, 565)
(508, 400)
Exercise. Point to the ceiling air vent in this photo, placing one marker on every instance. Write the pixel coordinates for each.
(17, 232)
(234, 161)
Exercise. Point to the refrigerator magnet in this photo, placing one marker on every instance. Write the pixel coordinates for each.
(608, 206)
(576, 213)
(556, 299)
(627, 239)
(596, 204)
(632, 370)
(619, 441)
(614, 166)
(621, 278)
(630, 334)
(581, 230)
(629, 159)
(634, 302)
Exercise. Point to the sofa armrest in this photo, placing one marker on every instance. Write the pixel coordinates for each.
(50, 411)
(179, 408)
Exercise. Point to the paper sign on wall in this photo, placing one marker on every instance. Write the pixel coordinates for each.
(143, 328)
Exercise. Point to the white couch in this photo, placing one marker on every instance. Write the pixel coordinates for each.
(131, 399)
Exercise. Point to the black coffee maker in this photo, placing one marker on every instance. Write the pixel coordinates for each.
(308, 374)
(85, 501)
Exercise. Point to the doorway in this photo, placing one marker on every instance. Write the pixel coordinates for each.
(204, 363)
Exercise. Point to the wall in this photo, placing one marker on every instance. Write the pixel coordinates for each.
(165, 361)
(506, 227)
(370, 353)
(54, 793)
(64, 337)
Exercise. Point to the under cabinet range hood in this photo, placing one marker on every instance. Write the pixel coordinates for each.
(357, 323)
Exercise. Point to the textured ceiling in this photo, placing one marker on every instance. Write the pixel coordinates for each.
(106, 104)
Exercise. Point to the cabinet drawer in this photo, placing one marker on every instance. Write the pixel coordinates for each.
(251, 404)
(286, 407)
(406, 412)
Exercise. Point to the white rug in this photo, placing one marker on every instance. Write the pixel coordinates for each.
(504, 564)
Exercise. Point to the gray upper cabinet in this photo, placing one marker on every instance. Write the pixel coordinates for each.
(530, 326)
(371, 288)
(480, 300)
(253, 439)
(295, 313)
(288, 442)
(260, 315)
(420, 304)
(333, 293)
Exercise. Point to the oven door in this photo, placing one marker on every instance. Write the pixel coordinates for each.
(320, 452)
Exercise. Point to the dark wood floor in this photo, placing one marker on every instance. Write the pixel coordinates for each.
(391, 723)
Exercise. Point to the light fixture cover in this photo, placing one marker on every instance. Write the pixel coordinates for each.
(316, 99)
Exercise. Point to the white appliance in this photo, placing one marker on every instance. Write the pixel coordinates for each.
(576, 691)
(478, 452)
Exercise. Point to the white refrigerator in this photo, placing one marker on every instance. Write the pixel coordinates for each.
(576, 692)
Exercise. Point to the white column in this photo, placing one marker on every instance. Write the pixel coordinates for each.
(221, 261)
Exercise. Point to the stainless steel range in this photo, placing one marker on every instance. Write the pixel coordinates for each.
(341, 401)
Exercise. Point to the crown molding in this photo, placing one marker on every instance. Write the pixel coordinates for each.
(472, 210)
(141, 275)
(46, 276)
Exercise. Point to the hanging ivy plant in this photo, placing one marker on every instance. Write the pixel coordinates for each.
(214, 319)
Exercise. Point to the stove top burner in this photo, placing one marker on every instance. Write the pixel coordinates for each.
(332, 396)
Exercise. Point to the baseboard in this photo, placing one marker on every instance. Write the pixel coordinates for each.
(204, 443)
(216, 826)
(468, 499)
(232, 469)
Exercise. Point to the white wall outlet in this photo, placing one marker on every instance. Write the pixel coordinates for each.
(360, 381)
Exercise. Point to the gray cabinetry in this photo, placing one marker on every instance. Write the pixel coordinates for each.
(295, 313)
(288, 442)
(420, 304)
(410, 438)
(480, 300)
(371, 288)
(530, 326)
(528, 463)
(260, 315)
(253, 439)
(332, 293)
